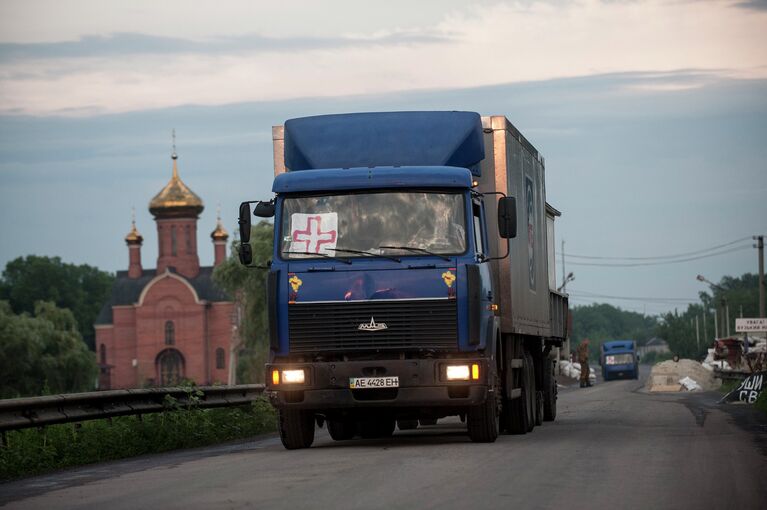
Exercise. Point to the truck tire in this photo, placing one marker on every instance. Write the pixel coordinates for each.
(296, 428)
(407, 424)
(482, 420)
(549, 393)
(342, 430)
(532, 406)
(375, 429)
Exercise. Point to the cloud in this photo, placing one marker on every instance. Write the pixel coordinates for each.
(493, 43)
(757, 5)
(134, 44)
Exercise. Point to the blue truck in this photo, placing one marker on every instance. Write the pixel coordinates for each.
(619, 360)
(406, 283)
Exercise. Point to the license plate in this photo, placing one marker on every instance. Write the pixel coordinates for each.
(358, 383)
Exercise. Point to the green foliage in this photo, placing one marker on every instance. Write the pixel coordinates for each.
(43, 354)
(31, 451)
(653, 357)
(249, 287)
(679, 330)
(82, 289)
(738, 294)
(602, 322)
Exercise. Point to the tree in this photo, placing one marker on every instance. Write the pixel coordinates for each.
(43, 354)
(82, 289)
(600, 322)
(740, 294)
(248, 285)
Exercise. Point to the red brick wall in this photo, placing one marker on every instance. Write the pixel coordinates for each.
(185, 259)
(139, 334)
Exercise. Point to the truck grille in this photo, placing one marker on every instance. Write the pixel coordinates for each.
(410, 324)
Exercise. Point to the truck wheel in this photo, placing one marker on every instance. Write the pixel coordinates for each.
(375, 429)
(532, 406)
(482, 420)
(407, 424)
(296, 428)
(425, 422)
(342, 430)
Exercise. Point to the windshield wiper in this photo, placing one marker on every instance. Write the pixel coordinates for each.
(417, 250)
(345, 261)
(362, 252)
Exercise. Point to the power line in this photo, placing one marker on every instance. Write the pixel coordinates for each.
(661, 257)
(677, 261)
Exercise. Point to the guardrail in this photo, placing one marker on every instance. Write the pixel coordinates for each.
(21, 413)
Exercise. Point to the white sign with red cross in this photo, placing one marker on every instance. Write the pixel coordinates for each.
(313, 233)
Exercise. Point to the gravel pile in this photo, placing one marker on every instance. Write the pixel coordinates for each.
(666, 376)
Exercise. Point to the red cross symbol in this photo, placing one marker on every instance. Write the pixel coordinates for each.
(314, 237)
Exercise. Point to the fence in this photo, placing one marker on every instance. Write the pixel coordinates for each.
(20, 413)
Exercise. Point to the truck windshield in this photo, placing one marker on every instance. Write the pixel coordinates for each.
(368, 222)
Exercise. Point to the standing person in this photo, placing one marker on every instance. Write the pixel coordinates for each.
(583, 359)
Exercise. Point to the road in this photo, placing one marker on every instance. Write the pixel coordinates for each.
(612, 446)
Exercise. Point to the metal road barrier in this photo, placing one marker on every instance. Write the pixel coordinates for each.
(20, 413)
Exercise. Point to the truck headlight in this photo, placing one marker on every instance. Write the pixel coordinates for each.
(293, 376)
(462, 372)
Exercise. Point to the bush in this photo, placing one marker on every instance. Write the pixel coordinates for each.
(32, 451)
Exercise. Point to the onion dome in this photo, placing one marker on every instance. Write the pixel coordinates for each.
(133, 237)
(220, 234)
(176, 200)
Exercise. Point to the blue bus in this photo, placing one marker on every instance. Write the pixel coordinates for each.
(619, 360)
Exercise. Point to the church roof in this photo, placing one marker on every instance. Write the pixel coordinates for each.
(176, 199)
(126, 291)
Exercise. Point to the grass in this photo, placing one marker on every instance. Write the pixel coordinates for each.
(32, 451)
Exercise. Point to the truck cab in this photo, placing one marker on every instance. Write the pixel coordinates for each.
(382, 303)
(619, 360)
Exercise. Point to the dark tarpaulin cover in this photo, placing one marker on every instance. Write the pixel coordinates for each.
(385, 139)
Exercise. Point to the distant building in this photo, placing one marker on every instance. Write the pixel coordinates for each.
(164, 325)
(656, 345)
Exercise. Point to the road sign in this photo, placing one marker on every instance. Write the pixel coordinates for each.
(750, 325)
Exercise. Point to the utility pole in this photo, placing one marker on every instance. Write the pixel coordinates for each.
(760, 247)
(727, 316)
(564, 273)
(716, 323)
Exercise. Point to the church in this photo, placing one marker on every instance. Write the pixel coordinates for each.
(170, 324)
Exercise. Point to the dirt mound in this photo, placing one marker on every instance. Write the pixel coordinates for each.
(666, 376)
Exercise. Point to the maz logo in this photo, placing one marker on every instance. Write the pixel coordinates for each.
(372, 325)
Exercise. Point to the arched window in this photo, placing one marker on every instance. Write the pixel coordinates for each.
(170, 367)
(220, 358)
(170, 333)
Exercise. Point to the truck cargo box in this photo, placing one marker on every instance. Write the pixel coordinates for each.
(513, 166)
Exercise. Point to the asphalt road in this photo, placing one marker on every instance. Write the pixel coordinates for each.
(612, 446)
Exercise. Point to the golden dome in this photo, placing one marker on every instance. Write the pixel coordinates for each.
(133, 236)
(176, 199)
(220, 233)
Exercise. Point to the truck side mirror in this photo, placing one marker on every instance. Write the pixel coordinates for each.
(244, 222)
(264, 210)
(246, 254)
(507, 217)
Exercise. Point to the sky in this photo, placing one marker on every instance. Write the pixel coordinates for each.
(652, 117)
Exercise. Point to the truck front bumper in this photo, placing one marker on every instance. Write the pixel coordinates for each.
(421, 383)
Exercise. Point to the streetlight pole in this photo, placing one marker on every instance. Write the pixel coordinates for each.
(724, 307)
(760, 247)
